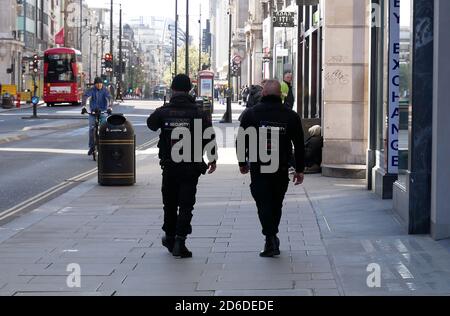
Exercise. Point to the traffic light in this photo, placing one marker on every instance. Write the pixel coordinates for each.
(33, 65)
(105, 80)
(235, 69)
(108, 63)
(36, 64)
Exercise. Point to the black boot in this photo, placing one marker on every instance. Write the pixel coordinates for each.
(180, 250)
(271, 248)
(168, 242)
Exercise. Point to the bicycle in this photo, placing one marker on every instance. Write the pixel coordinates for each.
(99, 119)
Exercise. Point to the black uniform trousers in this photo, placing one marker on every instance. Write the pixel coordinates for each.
(269, 191)
(179, 189)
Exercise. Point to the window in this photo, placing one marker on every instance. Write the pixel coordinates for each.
(60, 68)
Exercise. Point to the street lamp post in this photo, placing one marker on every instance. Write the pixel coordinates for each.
(111, 37)
(90, 53)
(187, 38)
(97, 35)
(88, 29)
(120, 83)
(81, 26)
(200, 41)
(132, 78)
(103, 49)
(300, 38)
(176, 37)
(227, 118)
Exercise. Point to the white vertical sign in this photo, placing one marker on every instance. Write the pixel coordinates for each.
(394, 86)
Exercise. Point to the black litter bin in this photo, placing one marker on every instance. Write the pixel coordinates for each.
(117, 152)
(7, 101)
(205, 105)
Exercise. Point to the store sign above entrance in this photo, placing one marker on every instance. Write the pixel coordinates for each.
(394, 87)
(307, 2)
(283, 19)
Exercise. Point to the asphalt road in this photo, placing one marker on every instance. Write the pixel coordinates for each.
(56, 150)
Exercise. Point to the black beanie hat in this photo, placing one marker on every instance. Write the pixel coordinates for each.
(98, 80)
(181, 83)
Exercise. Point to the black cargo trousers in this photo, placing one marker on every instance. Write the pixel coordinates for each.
(269, 191)
(179, 189)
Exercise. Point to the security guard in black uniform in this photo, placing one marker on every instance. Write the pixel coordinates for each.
(180, 179)
(269, 189)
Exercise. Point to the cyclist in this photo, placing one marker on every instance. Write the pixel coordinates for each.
(100, 100)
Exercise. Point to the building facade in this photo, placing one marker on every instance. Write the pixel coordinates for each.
(420, 193)
(31, 26)
(220, 37)
(27, 27)
(239, 11)
(11, 45)
(156, 37)
(374, 80)
(254, 42)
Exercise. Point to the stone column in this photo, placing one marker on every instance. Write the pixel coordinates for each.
(257, 58)
(440, 199)
(346, 90)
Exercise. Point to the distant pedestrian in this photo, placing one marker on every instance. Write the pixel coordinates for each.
(112, 91)
(286, 90)
(222, 96)
(245, 93)
(216, 93)
(254, 97)
(269, 189)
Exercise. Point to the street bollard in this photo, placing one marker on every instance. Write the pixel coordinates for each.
(18, 101)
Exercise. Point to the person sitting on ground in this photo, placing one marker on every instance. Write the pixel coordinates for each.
(313, 150)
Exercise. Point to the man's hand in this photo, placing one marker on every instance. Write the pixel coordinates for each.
(109, 111)
(84, 111)
(212, 166)
(299, 178)
(245, 170)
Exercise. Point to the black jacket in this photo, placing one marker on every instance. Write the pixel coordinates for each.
(290, 100)
(271, 113)
(181, 112)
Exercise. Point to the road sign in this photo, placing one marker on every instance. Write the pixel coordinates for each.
(237, 59)
(35, 100)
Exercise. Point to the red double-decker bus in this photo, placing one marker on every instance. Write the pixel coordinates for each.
(62, 76)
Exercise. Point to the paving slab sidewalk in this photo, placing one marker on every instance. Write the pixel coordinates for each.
(331, 231)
